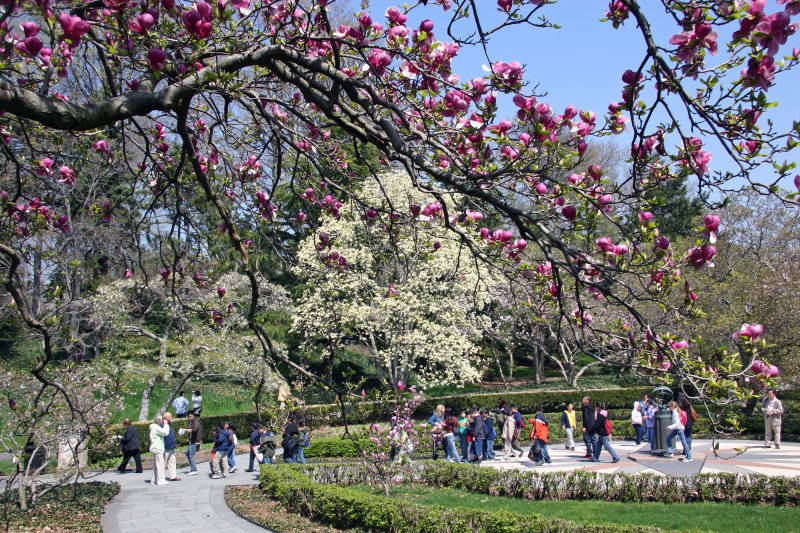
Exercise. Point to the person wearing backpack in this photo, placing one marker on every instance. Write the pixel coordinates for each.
(602, 427)
(255, 442)
(219, 453)
(540, 434)
(636, 422)
(569, 425)
(519, 425)
(679, 419)
(477, 429)
(290, 441)
(491, 434)
(269, 442)
(650, 423)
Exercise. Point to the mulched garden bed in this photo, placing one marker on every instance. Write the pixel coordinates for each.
(253, 505)
(71, 509)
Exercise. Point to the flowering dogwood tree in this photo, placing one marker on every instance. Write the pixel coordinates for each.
(405, 287)
(212, 109)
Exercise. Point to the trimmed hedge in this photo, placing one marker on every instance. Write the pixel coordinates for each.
(337, 447)
(582, 485)
(343, 507)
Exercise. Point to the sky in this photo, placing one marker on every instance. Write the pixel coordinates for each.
(582, 63)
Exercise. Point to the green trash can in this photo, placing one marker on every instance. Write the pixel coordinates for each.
(662, 423)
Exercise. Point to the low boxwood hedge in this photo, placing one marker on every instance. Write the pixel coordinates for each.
(343, 507)
(582, 485)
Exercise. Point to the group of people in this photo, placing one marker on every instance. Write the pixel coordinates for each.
(263, 443)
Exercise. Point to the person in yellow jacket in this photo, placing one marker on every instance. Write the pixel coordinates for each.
(568, 423)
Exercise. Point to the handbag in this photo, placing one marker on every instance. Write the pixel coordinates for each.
(535, 450)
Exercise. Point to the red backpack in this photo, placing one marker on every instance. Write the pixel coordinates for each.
(609, 426)
(684, 417)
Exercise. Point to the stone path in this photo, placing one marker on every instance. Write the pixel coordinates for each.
(196, 504)
(755, 460)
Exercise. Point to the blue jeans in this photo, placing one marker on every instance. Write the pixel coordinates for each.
(639, 430)
(590, 440)
(651, 437)
(464, 446)
(488, 449)
(478, 446)
(232, 457)
(682, 436)
(687, 432)
(290, 458)
(544, 455)
(300, 457)
(450, 447)
(604, 442)
(190, 455)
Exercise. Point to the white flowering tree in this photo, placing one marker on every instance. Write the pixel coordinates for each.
(409, 291)
(199, 325)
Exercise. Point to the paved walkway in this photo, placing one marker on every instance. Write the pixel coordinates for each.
(755, 459)
(196, 504)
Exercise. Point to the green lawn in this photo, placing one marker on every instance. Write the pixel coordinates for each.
(218, 398)
(727, 518)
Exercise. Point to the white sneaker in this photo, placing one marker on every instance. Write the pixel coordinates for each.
(233, 469)
(216, 476)
(191, 473)
(685, 460)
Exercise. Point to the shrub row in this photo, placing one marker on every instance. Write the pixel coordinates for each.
(343, 507)
(582, 485)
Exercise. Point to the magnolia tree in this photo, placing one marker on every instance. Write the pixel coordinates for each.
(199, 327)
(218, 112)
(404, 287)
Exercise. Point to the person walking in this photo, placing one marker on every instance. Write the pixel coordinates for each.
(477, 428)
(181, 405)
(157, 434)
(637, 422)
(773, 413)
(130, 448)
(677, 427)
(255, 443)
(602, 428)
(194, 442)
(540, 434)
(508, 432)
(269, 442)
(587, 418)
(232, 466)
(170, 445)
(435, 423)
(569, 425)
(650, 422)
(290, 441)
(303, 442)
(691, 418)
(519, 425)
(197, 403)
(219, 453)
(451, 428)
(463, 422)
(491, 434)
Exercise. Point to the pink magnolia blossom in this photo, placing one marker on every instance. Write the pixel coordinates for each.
(646, 217)
(679, 345)
(128, 274)
(773, 30)
(142, 23)
(45, 167)
(508, 76)
(711, 224)
(165, 272)
(702, 256)
(30, 46)
(569, 212)
(68, 176)
(221, 292)
(198, 20)
(749, 331)
(437, 246)
(157, 59)
(73, 28)
(797, 182)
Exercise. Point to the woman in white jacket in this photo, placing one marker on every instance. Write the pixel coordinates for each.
(636, 422)
(508, 435)
(676, 430)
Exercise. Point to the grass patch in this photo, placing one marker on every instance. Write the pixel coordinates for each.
(721, 517)
(74, 508)
(253, 505)
(219, 398)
